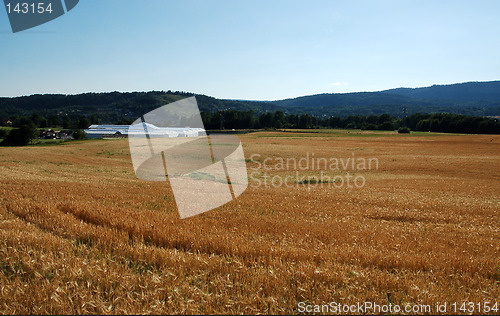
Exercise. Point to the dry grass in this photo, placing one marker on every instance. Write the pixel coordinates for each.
(80, 234)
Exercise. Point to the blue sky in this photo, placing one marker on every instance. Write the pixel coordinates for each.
(257, 50)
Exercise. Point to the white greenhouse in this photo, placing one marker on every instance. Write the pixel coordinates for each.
(103, 131)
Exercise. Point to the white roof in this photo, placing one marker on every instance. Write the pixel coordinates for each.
(142, 128)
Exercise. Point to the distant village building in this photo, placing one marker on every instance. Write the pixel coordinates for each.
(114, 131)
(51, 134)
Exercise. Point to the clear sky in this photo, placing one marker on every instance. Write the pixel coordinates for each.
(257, 50)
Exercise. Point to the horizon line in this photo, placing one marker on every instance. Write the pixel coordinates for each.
(249, 100)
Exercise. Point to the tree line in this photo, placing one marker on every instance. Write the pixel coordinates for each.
(233, 119)
(26, 127)
(111, 106)
(52, 121)
(436, 122)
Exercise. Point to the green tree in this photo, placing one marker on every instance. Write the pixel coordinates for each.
(43, 123)
(266, 120)
(21, 136)
(122, 121)
(53, 121)
(94, 119)
(79, 134)
(403, 130)
(83, 122)
(305, 121)
(386, 126)
(279, 119)
(67, 122)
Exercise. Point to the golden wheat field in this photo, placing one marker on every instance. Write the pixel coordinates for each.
(79, 233)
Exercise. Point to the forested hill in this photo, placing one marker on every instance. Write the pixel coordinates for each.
(474, 98)
(469, 91)
(113, 106)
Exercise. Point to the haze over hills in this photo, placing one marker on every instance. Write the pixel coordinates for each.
(471, 98)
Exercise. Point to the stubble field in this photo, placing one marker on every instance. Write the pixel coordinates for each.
(79, 233)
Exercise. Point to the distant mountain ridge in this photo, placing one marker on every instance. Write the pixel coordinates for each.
(471, 98)
(353, 98)
(468, 91)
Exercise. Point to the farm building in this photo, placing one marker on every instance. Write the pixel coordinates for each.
(104, 131)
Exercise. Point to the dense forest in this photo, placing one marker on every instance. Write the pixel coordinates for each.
(471, 98)
(113, 106)
(474, 98)
(437, 122)
(233, 119)
(472, 107)
(468, 91)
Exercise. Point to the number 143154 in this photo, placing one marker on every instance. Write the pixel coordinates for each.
(25, 8)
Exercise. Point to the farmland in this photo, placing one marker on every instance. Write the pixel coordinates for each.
(79, 233)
